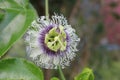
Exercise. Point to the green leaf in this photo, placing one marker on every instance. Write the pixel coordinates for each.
(54, 78)
(19, 69)
(1, 14)
(86, 74)
(18, 15)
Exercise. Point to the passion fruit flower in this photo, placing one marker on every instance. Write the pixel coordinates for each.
(52, 42)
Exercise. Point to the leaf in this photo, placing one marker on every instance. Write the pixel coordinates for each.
(19, 69)
(54, 78)
(1, 14)
(86, 74)
(18, 15)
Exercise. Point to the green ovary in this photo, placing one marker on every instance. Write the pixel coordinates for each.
(56, 40)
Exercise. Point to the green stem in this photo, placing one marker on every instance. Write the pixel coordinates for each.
(61, 73)
(46, 9)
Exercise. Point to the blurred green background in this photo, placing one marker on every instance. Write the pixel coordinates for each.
(99, 48)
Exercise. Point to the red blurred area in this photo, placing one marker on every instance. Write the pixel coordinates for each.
(111, 17)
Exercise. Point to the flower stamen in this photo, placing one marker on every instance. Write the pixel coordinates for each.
(56, 40)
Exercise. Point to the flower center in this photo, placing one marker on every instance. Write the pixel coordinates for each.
(55, 39)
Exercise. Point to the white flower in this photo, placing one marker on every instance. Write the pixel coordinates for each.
(51, 43)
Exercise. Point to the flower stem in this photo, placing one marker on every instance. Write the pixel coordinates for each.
(46, 9)
(61, 73)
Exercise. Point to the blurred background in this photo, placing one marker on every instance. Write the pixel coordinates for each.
(97, 22)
